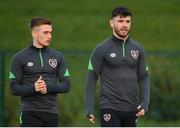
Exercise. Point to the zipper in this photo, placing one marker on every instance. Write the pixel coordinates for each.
(41, 58)
(123, 47)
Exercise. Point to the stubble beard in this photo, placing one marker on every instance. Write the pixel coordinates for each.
(117, 32)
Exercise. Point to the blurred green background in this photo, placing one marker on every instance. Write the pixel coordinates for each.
(78, 26)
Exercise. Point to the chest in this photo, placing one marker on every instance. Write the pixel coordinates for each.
(40, 63)
(122, 55)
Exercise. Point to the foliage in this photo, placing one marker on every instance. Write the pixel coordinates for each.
(164, 89)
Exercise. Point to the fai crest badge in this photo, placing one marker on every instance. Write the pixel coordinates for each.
(53, 62)
(135, 54)
(107, 117)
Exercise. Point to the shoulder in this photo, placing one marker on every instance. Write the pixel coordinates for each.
(56, 53)
(136, 44)
(104, 45)
(22, 53)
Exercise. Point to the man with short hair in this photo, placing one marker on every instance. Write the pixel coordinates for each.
(120, 63)
(34, 74)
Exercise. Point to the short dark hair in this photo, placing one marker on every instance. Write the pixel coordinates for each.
(122, 11)
(36, 21)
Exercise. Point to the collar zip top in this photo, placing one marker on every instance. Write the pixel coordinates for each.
(40, 52)
(123, 44)
(31, 64)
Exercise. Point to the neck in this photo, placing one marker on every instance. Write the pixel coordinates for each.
(36, 44)
(121, 38)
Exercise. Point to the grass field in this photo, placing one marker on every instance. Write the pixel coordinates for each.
(79, 25)
(82, 24)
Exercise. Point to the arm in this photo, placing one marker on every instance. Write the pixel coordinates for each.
(94, 68)
(64, 80)
(15, 76)
(144, 82)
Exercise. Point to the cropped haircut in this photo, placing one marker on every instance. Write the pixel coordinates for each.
(37, 21)
(121, 11)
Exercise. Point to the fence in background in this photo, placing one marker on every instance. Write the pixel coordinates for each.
(7, 55)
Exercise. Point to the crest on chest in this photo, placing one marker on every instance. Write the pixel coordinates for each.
(53, 63)
(135, 54)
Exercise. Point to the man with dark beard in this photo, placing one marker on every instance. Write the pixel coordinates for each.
(120, 63)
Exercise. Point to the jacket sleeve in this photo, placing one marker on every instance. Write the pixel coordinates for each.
(144, 82)
(64, 84)
(94, 70)
(15, 76)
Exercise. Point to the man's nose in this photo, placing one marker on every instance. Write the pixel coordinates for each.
(125, 24)
(49, 35)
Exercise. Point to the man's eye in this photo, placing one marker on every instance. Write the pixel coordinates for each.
(45, 32)
(120, 21)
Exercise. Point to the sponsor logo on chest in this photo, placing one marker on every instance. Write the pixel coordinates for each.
(113, 55)
(53, 63)
(30, 64)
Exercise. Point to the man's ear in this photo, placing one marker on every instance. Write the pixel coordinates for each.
(33, 33)
(111, 23)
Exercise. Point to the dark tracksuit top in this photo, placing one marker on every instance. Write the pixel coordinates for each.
(27, 66)
(122, 69)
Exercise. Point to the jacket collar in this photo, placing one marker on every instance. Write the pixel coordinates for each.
(119, 40)
(37, 49)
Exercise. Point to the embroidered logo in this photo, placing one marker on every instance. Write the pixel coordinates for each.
(113, 55)
(30, 64)
(135, 54)
(107, 117)
(53, 62)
